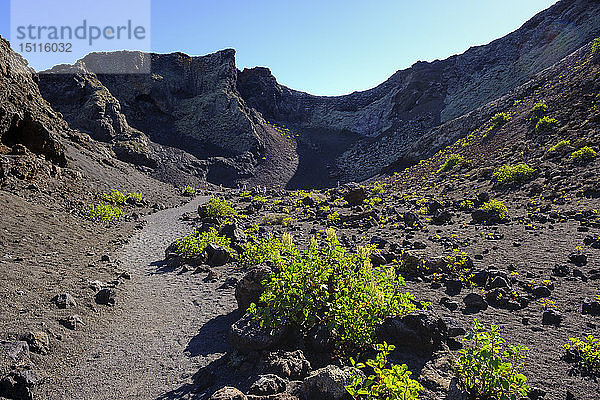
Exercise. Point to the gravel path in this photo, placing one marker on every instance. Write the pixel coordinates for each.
(164, 327)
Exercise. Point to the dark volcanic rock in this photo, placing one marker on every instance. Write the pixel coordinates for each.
(247, 335)
(418, 331)
(329, 383)
(250, 287)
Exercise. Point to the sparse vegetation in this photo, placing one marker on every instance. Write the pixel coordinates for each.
(466, 205)
(451, 162)
(105, 212)
(496, 205)
(508, 174)
(327, 285)
(546, 124)
(559, 146)
(500, 119)
(586, 351)
(116, 197)
(393, 383)
(188, 191)
(277, 219)
(195, 243)
(583, 155)
(596, 46)
(488, 369)
(538, 111)
(218, 208)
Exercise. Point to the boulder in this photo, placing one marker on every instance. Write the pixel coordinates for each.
(329, 383)
(420, 331)
(481, 216)
(475, 302)
(217, 255)
(591, 307)
(355, 194)
(267, 385)
(551, 317)
(228, 393)
(247, 335)
(18, 385)
(286, 364)
(106, 296)
(249, 289)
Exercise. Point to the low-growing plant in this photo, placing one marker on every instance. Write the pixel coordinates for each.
(546, 124)
(500, 119)
(330, 286)
(538, 111)
(105, 212)
(276, 219)
(334, 217)
(393, 383)
(451, 162)
(195, 243)
(519, 173)
(116, 197)
(586, 351)
(489, 368)
(559, 146)
(188, 191)
(218, 208)
(496, 205)
(596, 46)
(583, 155)
(466, 205)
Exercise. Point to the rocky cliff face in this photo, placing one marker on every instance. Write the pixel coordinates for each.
(25, 117)
(220, 116)
(390, 118)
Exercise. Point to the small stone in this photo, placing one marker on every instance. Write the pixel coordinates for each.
(591, 307)
(106, 296)
(541, 291)
(39, 342)
(64, 300)
(267, 385)
(551, 317)
(228, 393)
(105, 258)
(475, 301)
(74, 322)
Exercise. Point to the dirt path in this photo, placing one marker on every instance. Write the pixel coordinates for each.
(164, 327)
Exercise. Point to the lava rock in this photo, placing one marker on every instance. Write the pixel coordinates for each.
(481, 216)
(329, 383)
(498, 282)
(355, 194)
(228, 393)
(249, 289)
(475, 301)
(64, 300)
(578, 258)
(591, 307)
(106, 296)
(74, 322)
(217, 255)
(320, 339)
(453, 287)
(247, 335)
(267, 384)
(560, 270)
(38, 341)
(289, 365)
(541, 291)
(19, 385)
(551, 317)
(419, 331)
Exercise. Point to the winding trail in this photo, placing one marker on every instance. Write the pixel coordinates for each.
(164, 327)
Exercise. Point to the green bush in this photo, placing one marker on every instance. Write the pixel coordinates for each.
(276, 219)
(218, 208)
(538, 111)
(105, 212)
(546, 124)
(586, 351)
(451, 162)
(496, 205)
(596, 46)
(583, 155)
(519, 173)
(188, 191)
(559, 146)
(488, 369)
(327, 285)
(269, 248)
(195, 243)
(393, 383)
(500, 119)
(116, 197)
(466, 205)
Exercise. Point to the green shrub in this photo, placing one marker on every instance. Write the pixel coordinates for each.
(538, 111)
(586, 351)
(559, 146)
(269, 248)
(327, 285)
(489, 368)
(451, 162)
(105, 212)
(276, 219)
(496, 205)
(188, 191)
(596, 46)
(519, 173)
(546, 124)
(218, 208)
(466, 205)
(195, 243)
(583, 155)
(500, 119)
(393, 383)
(116, 197)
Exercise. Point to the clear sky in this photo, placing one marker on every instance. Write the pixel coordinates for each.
(329, 47)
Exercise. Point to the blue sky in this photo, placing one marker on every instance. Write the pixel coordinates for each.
(329, 47)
